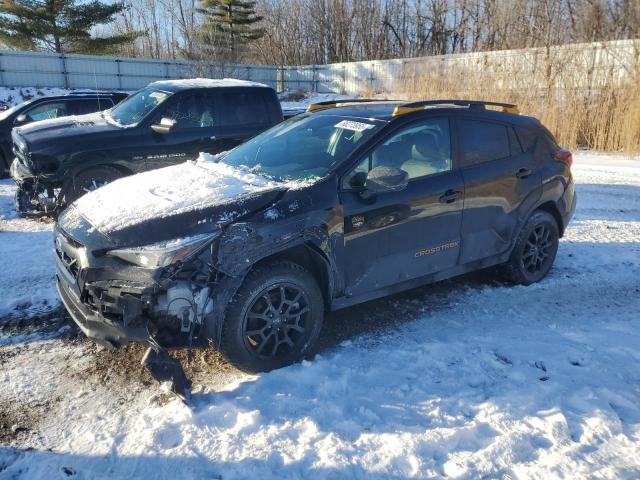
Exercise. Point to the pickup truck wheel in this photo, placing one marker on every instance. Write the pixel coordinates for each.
(274, 319)
(89, 180)
(535, 249)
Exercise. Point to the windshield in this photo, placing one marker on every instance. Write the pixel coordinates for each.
(304, 147)
(137, 106)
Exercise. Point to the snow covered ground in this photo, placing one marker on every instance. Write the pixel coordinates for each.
(469, 378)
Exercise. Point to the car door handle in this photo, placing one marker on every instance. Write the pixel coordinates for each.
(523, 173)
(450, 196)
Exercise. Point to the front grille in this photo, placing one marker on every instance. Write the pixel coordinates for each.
(71, 264)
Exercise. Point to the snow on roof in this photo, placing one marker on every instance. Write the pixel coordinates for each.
(168, 191)
(207, 83)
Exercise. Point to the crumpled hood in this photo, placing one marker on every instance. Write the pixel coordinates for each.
(45, 132)
(177, 201)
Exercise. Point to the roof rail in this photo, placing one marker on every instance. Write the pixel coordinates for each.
(480, 104)
(314, 107)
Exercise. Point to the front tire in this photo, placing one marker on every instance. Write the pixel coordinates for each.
(89, 180)
(535, 249)
(274, 319)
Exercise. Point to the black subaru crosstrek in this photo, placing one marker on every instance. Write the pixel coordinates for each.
(45, 108)
(331, 208)
(165, 123)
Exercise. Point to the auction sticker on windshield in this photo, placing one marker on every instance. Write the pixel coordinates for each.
(159, 96)
(355, 126)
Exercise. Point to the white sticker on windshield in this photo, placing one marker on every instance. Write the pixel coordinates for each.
(355, 126)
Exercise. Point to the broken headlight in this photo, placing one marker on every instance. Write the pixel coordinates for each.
(163, 254)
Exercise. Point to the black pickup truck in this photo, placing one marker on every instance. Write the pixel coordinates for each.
(165, 123)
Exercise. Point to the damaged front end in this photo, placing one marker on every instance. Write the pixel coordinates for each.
(33, 196)
(160, 294)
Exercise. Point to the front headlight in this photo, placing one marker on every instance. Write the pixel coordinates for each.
(165, 253)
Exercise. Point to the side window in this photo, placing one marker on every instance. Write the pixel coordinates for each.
(192, 112)
(245, 108)
(482, 141)
(81, 107)
(47, 111)
(420, 149)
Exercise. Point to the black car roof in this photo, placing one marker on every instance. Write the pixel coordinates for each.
(81, 95)
(384, 109)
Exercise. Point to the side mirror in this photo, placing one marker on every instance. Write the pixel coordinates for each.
(385, 179)
(20, 119)
(165, 126)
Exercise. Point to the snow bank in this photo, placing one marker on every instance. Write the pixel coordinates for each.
(27, 269)
(17, 95)
(168, 191)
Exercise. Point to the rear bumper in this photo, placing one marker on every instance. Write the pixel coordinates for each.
(569, 200)
(94, 325)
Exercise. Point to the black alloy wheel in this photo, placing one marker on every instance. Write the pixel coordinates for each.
(535, 249)
(88, 181)
(276, 323)
(274, 319)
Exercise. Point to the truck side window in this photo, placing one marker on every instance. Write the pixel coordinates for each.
(192, 112)
(421, 149)
(482, 142)
(47, 111)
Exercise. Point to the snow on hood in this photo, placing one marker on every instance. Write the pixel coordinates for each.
(89, 119)
(168, 192)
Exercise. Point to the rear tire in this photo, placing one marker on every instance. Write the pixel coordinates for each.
(535, 249)
(274, 319)
(87, 181)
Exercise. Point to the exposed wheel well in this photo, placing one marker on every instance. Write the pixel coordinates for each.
(309, 258)
(551, 208)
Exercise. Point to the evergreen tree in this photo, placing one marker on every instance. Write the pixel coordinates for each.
(228, 27)
(62, 26)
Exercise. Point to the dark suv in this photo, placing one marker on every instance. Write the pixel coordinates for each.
(44, 108)
(165, 123)
(329, 209)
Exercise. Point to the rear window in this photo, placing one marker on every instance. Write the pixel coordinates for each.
(527, 138)
(516, 148)
(483, 141)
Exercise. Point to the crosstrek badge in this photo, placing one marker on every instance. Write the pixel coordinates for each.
(354, 126)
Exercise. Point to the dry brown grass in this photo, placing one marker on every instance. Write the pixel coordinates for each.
(583, 106)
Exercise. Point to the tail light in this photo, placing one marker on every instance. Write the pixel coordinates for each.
(565, 156)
